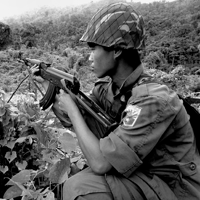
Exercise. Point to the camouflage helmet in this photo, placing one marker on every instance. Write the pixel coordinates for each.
(117, 25)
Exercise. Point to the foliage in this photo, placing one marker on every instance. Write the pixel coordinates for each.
(38, 154)
(172, 28)
(5, 35)
(179, 80)
(35, 156)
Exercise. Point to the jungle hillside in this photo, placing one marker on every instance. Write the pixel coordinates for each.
(172, 37)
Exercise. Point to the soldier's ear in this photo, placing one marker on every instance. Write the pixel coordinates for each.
(117, 53)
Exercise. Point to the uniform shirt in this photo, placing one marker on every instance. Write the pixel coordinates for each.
(153, 146)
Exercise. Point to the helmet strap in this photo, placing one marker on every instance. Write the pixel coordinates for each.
(117, 53)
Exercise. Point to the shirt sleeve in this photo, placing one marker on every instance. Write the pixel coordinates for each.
(145, 120)
(119, 154)
(95, 126)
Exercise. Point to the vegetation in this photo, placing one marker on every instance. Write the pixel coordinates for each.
(37, 153)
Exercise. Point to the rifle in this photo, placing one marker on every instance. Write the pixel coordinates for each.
(61, 80)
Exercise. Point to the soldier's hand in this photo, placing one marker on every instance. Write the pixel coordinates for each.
(38, 78)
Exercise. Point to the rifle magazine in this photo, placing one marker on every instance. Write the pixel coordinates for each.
(49, 97)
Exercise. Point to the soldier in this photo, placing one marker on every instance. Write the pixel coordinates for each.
(151, 154)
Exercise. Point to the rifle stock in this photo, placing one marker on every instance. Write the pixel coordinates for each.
(61, 80)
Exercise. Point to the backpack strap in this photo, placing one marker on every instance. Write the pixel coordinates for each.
(194, 120)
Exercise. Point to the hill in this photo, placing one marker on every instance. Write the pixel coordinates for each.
(52, 35)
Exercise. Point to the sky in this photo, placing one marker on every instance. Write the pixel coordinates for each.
(12, 8)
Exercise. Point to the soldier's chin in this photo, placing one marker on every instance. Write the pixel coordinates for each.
(99, 75)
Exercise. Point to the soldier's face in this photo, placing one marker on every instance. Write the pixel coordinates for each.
(103, 62)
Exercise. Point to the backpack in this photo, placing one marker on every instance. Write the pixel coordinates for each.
(194, 117)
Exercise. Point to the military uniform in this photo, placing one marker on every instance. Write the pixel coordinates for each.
(152, 151)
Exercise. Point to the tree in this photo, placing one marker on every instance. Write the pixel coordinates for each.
(5, 35)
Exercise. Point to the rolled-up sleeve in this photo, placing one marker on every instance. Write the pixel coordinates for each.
(119, 154)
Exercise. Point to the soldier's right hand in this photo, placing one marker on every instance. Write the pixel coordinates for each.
(34, 71)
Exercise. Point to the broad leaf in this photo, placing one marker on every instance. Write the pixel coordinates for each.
(21, 177)
(20, 140)
(10, 156)
(41, 134)
(3, 142)
(12, 192)
(21, 166)
(10, 144)
(59, 172)
(81, 163)
(3, 169)
(68, 142)
(52, 144)
(49, 156)
(50, 196)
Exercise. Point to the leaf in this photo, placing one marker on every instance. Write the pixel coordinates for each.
(6, 118)
(30, 140)
(20, 140)
(22, 108)
(21, 166)
(21, 177)
(75, 159)
(49, 196)
(25, 192)
(2, 107)
(10, 144)
(65, 176)
(12, 192)
(2, 111)
(81, 163)
(45, 191)
(3, 169)
(74, 169)
(10, 156)
(14, 109)
(59, 172)
(68, 142)
(50, 121)
(49, 157)
(36, 194)
(52, 144)
(41, 134)
(3, 142)
(30, 111)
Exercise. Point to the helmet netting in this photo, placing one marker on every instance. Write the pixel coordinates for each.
(116, 25)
